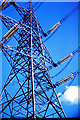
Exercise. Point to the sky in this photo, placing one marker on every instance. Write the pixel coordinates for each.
(63, 42)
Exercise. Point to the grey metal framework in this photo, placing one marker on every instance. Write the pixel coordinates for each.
(28, 91)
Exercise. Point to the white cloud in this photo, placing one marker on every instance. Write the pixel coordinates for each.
(71, 95)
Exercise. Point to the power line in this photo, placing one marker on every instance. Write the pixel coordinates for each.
(70, 13)
(39, 5)
(36, 3)
(71, 57)
(62, 69)
(56, 27)
(51, 35)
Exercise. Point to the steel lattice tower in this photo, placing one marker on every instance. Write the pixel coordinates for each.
(33, 94)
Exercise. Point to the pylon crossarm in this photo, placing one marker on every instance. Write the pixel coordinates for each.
(22, 10)
(11, 25)
(3, 17)
(11, 49)
(11, 20)
(4, 4)
(10, 57)
(50, 58)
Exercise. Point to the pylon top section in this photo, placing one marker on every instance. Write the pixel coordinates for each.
(33, 91)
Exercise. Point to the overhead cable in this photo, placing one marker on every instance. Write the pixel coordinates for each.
(56, 26)
(39, 5)
(68, 57)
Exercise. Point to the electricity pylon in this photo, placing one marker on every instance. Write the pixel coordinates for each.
(28, 91)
